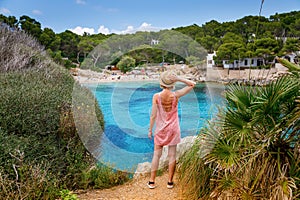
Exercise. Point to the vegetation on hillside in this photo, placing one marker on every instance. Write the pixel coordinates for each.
(251, 150)
(41, 151)
(250, 36)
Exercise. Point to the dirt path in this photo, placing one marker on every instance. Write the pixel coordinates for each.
(136, 189)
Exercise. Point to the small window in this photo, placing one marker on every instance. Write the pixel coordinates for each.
(260, 62)
(246, 62)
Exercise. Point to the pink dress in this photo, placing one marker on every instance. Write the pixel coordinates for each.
(167, 131)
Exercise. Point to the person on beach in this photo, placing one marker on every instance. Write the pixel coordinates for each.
(165, 115)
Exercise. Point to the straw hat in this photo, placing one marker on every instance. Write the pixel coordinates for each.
(164, 79)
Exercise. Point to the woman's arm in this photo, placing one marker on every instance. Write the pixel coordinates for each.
(153, 115)
(189, 86)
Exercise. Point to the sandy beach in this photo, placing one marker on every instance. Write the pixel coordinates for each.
(193, 73)
(93, 77)
(89, 76)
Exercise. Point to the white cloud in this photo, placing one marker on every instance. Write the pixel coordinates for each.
(81, 2)
(4, 11)
(130, 29)
(37, 12)
(143, 27)
(103, 30)
(147, 27)
(81, 30)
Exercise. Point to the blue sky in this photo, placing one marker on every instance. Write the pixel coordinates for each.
(127, 16)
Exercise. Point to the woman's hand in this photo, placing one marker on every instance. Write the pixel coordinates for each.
(150, 135)
(173, 78)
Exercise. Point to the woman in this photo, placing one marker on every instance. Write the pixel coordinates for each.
(165, 115)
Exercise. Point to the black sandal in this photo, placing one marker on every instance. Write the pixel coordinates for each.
(151, 184)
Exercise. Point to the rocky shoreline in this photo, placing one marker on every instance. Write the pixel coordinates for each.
(252, 77)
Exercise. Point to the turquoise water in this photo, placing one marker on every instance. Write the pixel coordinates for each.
(126, 107)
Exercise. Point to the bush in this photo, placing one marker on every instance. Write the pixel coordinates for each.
(32, 102)
(41, 151)
(20, 51)
(251, 149)
(101, 177)
(194, 174)
(126, 64)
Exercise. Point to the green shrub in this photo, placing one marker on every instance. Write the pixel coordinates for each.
(31, 102)
(102, 176)
(251, 149)
(126, 64)
(35, 133)
(41, 151)
(194, 174)
(67, 195)
(20, 177)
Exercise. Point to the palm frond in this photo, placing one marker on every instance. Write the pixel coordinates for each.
(289, 65)
(225, 153)
(274, 101)
(283, 187)
(239, 97)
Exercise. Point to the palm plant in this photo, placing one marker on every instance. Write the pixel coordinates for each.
(252, 149)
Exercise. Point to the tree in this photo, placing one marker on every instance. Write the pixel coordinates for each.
(31, 26)
(87, 43)
(295, 28)
(230, 37)
(275, 29)
(69, 44)
(98, 58)
(85, 46)
(213, 28)
(266, 48)
(10, 20)
(55, 44)
(192, 31)
(291, 45)
(143, 53)
(193, 61)
(179, 44)
(210, 43)
(247, 26)
(47, 37)
(126, 64)
(231, 51)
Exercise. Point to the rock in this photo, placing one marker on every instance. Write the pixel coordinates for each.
(142, 169)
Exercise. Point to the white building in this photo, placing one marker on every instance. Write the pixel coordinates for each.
(210, 60)
(154, 42)
(293, 57)
(243, 63)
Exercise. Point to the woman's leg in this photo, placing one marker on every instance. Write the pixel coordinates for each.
(172, 162)
(155, 161)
